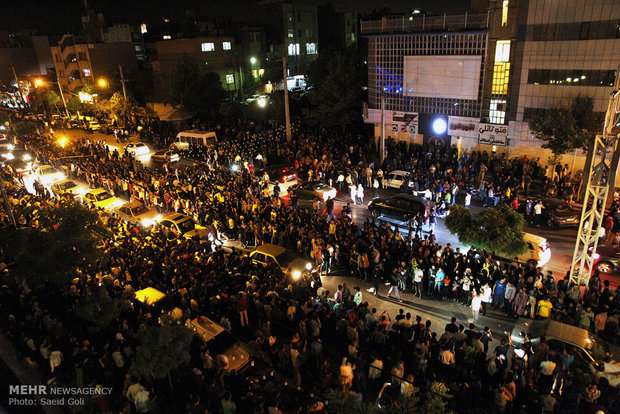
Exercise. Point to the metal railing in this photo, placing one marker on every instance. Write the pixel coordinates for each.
(405, 24)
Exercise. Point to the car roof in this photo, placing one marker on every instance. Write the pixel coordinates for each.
(206, 328)
(398, 172)
(533, 238)
(98, 191)
(270, 249)
(176, 217)
(64, 181)
(410, 197)
(132, 204)
(557, 330)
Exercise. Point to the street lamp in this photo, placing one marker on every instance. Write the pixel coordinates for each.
(39, 82)
(382, 142)
(102, 83)
(253, 60)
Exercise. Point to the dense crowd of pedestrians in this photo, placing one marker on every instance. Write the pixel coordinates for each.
(299, 328)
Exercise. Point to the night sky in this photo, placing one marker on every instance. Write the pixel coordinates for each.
(63, 16)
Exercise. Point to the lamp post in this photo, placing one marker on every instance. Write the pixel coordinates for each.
(382, 141)
(39, 82)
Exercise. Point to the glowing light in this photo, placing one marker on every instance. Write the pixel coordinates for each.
(308, 266)
(296, 274)
(235, 167)
(102, 83)
(38, 82)
(253, 60)
(440, 126)
(62, 142)
(262, 102)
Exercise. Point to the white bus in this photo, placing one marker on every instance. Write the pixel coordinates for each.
(194, 137)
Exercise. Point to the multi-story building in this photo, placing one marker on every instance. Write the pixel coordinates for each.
(24, 55)
(562, 49)
(78, 62)
(212, 53)
(486, 75)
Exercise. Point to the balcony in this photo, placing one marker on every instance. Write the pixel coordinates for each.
(405, 24)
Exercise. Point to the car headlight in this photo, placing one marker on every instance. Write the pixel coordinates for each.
(10, 147)
(146, 222)
(296, 274)
(26, 157)
(308, 266)
(158, 218)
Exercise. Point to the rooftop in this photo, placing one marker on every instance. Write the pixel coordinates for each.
(411, 24)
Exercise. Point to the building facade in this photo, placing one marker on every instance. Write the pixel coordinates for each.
(212, 53)
(78, 63)
(532, 55)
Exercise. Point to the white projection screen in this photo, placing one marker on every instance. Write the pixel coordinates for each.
(453, 77)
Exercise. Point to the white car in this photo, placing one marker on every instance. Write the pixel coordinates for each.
(65, 187)
(100, 198)
(135, 212)
(166, 156)
(395, 179)
(175, 224)
(139, 148)
(48, 174)
(94, 125)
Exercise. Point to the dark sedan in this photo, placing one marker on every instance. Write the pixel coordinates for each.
(401, 207)
(607, 259)
(280, 174)
(557, 214)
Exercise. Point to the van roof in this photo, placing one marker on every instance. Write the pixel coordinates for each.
(197, 132)
(149, 295)
(270, 249)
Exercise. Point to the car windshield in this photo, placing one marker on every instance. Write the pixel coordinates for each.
(285, 258)
(320, 186)
(221, 343)
(45, 171)
(187, 225)
(66, 185)
(103, 196)
(139, 145)
(141, 209)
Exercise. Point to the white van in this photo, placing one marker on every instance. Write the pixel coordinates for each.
(194, 137)
(538, 251)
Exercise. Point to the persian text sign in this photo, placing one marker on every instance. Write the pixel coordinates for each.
(492, 134)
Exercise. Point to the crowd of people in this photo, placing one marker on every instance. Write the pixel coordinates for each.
(365, 358)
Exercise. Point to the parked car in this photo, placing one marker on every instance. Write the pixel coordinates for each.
(538, 251)
(93, 125)
(557, 214)
(607, 259)
(311, 189)
(166, 156)
(65, 187)
(175, 224)
(139, 148)
(48, 174)
(288, 262)
(100, 198)
(401, 207)
(577, 341)
(221, 342)
(396, 179)
(137, 213)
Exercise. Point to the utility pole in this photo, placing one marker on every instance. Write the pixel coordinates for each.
(120, 69)
(600, 178)
(287, 115)
(62, 96)
(382, 143)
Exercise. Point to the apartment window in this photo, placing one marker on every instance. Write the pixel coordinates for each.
(501, 69)
(226, 45)
(86, 73)
(291, 34)
(143, 28)
(261, 72)
(293, 49)
(505, 13)
(230, 78)
(255, 73)
(571, 77)
(497, 111)
(207, 47)
(166, 37)
(310, 48)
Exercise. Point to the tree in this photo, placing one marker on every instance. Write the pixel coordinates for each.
(162, 349)
(118, 107)
(24, 127)
(498, 229)
(97, 309)
(199, 92)
(337, 77)
(567, 128)
(64, 244)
